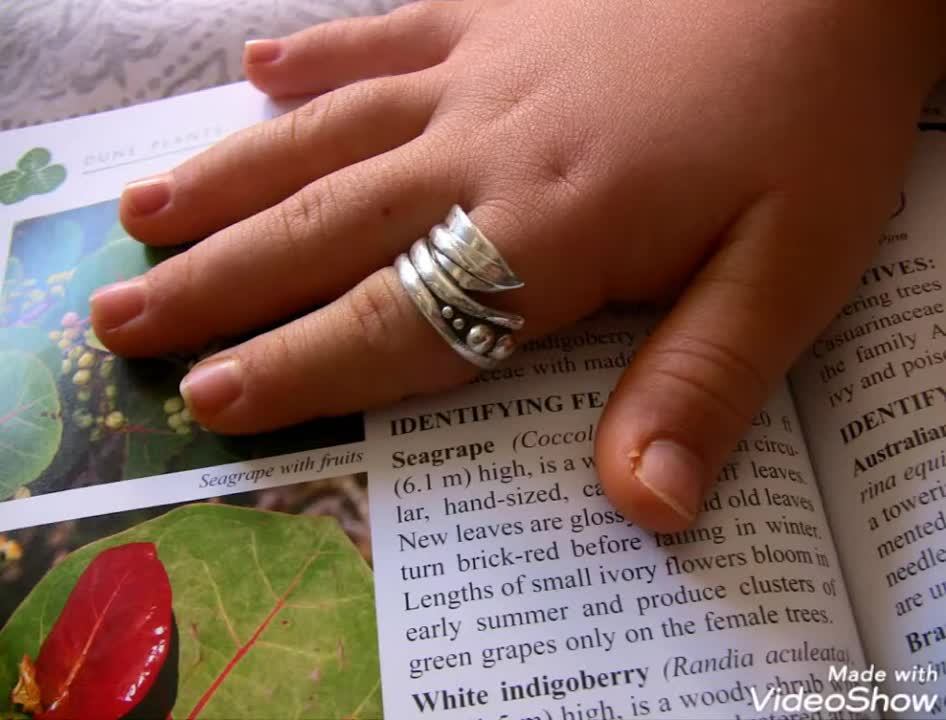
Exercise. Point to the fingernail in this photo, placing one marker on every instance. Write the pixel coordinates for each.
(673, 474)
(210, 387)
(261, 51)
(114, 305)
(147, 196)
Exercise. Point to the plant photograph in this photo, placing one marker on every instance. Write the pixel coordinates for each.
(253, 605)
(71, 413)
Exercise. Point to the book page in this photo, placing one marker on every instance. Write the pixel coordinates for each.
(508, 587)
(872, 397)
(149, 567)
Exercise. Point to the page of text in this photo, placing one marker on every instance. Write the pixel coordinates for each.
(508, 586)
(872, 395)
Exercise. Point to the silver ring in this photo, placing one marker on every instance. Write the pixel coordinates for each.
(463, 278)
(442, 285)
(437, 271)
(478, 260)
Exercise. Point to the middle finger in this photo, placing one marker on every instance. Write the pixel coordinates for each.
(306, 250)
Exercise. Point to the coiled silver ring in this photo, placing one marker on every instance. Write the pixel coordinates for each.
(437, 272)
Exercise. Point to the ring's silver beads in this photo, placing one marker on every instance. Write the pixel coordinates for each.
(503, 348)
(480, 338)
(459, 323)
(446, 312)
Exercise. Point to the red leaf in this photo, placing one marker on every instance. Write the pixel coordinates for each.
(111, 639)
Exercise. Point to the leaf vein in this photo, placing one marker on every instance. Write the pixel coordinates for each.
(291, 650)
(259, 566)
(241, 651)
(223, 610)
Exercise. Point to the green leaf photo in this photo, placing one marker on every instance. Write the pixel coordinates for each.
(33, 175)
(273, 616)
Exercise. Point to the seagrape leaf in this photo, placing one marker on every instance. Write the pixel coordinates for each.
(108, 644)
(116, 232)
(150, 443)
(34, 159)
(30, 426)
(207, 449)
(275, 614)
(45, 180)
(33, 341)
(122, 259)
(12, 187)
(33, 175)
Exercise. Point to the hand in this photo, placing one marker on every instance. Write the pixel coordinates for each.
(740, 156)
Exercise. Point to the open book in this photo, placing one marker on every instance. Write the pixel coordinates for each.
(149, 568)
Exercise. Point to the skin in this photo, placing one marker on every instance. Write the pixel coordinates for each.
(735, 160)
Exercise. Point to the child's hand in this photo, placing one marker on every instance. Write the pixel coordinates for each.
(742, 154)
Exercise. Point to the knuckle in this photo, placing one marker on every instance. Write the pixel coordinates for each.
(293, 219)
(339, 31)
(413, 11)
(300, 218)
(378, 93)
(426, 17)
(279, 349)
(174, 300)
(281, 132)
(293, 130)
(170, 279)
(377, 308)
(711, 370)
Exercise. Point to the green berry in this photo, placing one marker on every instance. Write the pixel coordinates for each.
(64, 344)
(84, 395)
(174, 421)
(173, 405)
(66, 366)
(71, 333)
(85, 421)
(183, 430)
(95, 435)
(86, 360)
(115, 421)
(76, 352)
(111, 391)
(186, 416)
(82, 377)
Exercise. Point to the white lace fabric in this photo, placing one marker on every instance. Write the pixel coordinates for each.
(63, 58)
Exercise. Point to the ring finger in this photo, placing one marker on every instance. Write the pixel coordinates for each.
(372, 346)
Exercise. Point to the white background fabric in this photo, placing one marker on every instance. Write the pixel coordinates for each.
(62, 58)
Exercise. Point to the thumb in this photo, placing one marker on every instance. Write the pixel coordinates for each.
(690, 393)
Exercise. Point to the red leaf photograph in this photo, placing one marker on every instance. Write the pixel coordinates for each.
(106, 649)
